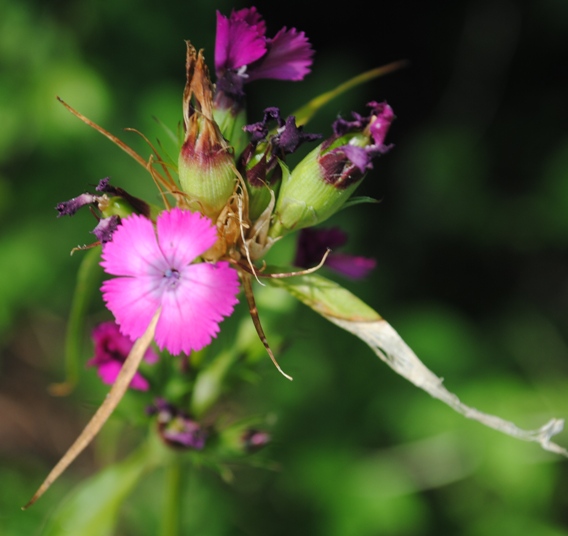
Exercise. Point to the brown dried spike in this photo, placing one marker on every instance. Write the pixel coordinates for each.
(247, 285)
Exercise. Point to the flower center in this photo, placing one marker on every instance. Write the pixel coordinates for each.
(172, 276)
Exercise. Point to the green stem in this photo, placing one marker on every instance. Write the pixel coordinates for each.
(172, 499)
(87, 277)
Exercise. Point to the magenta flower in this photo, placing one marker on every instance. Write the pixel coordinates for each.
(155, 268)
(313, 243)
(111, 350)
(244, 53)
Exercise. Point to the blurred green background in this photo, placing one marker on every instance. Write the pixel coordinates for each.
(471, 238)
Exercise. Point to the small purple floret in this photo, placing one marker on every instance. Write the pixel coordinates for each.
(346, 164)
(285, 139)
(259, 131)
(313, 243)
(176, 428)
(111, 350)
(68, 208)
(105, 229)
(380, 125)
(104, 185)
(288, 136)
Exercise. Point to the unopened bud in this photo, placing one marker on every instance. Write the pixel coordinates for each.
(325, 179)
(206, 168)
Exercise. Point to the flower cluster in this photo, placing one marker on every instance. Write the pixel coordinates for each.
(234, 198)
(175, 270)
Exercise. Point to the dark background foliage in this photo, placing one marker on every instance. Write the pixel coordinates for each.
(471, 237)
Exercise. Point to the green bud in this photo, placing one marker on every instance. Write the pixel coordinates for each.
(115, 206)
(231, 127)
(327, 177)
(206, 167)
(306, 198)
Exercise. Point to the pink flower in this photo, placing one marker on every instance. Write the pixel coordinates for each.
(244, 53)
(111, 350)
(155, 268)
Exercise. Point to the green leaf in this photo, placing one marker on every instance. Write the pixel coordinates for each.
(324, 296)
(358, 201)
(348, 312)
(93, 508)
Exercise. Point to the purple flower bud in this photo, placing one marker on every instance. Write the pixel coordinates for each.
(260, 160)
(176, 428)
(285, 139)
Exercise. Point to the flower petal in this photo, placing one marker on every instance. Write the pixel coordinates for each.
(240, 39)
(109, 371)
(350, 265)
(133, 302)
(289, 57)
(183, 236)
(191, 311)
(133, 250)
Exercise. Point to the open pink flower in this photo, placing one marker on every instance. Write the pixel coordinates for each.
(155, 267)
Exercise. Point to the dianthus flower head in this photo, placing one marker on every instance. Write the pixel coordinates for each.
(111, 350)
(156, 268)
(243, 52)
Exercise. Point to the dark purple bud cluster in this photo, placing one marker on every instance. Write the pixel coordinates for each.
(108, 208)
(176, 428)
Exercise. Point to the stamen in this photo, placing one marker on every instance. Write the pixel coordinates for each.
(173, 276)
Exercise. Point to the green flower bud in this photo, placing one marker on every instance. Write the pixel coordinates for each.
(206, 167)
(327, 177)
(231, 126)
(262, 162)
(115, 206)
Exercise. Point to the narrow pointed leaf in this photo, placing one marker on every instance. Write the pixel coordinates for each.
(348, 312)
(87, 278)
